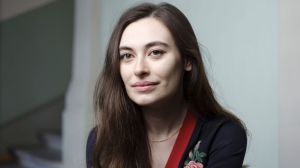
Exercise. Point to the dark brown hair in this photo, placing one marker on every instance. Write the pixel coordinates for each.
(121, 132)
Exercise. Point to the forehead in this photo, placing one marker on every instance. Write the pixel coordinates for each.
(144, 31)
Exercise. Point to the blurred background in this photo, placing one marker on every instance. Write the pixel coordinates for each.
(52, 51)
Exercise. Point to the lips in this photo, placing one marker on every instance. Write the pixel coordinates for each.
(144, 86)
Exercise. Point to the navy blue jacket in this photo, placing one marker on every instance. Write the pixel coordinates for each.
(215, 143)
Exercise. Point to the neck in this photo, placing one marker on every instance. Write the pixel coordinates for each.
(162, 122)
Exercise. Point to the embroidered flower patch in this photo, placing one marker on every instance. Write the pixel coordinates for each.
(195, 158)
(193, 164)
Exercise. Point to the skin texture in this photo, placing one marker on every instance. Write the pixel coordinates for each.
(152, 70)
(149, 54)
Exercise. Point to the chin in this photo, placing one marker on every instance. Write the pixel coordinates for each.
(143, 101)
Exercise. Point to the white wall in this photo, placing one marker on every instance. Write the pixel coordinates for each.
(241, 37)
(289, 82)
(78, 114)
(241, 41)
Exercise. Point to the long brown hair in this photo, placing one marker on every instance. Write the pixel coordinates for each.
(121, 132)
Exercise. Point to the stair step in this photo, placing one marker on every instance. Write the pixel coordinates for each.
(15, 165)
(39, 158)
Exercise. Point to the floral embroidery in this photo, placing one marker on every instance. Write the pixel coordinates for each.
(193, 164)
(195, 158)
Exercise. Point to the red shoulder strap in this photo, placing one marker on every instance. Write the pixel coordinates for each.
(182, 140)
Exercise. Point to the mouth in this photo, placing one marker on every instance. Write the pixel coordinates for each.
(144, 86)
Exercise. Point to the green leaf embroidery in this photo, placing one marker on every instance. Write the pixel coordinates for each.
(195, 155)
(199, 159)
(202, 154)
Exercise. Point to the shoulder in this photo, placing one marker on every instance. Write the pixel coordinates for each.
(92, 136)
(90, 146)
(217, 142)
(222, 126)
(228, 144)
(223, 131)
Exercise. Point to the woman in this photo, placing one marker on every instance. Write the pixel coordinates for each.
(154, 105)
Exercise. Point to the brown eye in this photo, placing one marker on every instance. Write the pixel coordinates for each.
(156, 53)
(126, 56)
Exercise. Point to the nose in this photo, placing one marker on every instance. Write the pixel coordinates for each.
(141, 68)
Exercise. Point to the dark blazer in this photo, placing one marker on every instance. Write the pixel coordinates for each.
(215, 143)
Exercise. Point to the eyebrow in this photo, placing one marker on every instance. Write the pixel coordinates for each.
(151, 44)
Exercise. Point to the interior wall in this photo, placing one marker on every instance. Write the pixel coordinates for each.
(78, 115)
(13, 8)
(35, 58)
(289, 82)
(240, 44)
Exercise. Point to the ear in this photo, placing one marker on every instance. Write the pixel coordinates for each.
(188, 65)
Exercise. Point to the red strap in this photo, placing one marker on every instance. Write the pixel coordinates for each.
(182, 140)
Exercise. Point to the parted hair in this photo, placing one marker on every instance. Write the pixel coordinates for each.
(121, 139)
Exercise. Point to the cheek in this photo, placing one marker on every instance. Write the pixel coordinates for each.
(124, 74)
(171, 71)
(125, 78)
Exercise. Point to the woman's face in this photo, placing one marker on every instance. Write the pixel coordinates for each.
(150, 63)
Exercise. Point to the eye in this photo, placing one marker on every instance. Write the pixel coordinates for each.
(156, 53)
(126, 56)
